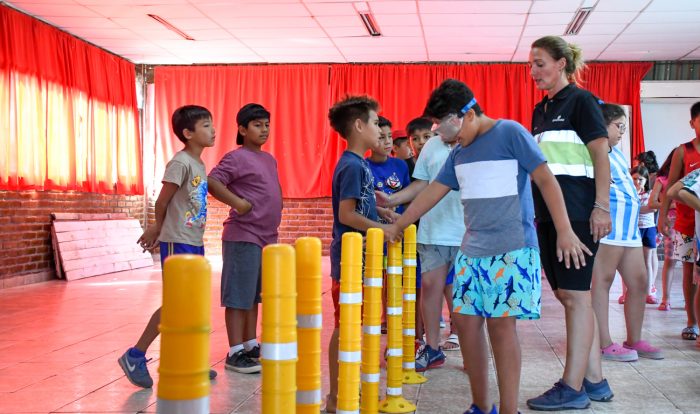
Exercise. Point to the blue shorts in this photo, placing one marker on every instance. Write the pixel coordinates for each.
(417, 272)
(169, 249)
(505, 285)
(648, 237)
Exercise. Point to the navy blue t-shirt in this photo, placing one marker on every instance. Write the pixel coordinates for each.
(390, 176)
(352, 179)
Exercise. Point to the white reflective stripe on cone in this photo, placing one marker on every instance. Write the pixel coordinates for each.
(398, 310)
(370, 377)
(346, 356)
(310, 321)
(394, 352)
(410, 262)
(350, 298)
(393, 391)
(409, 365)
(373, 281)
(394, 270)
(409, 332)
(278, 352)
(309, 397)
(409, 297)
(347, 411)
(372, 329)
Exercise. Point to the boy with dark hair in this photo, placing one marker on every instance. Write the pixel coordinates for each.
(401, 149)
(420, 131)
(354, 206)
(497, 268)
(685, 160)
(390, 173)
(246, 179)
(181, 214)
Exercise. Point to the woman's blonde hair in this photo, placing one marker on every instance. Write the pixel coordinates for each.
(559, 48)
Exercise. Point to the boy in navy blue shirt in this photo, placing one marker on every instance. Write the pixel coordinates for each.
(390, 174)
(354, 206)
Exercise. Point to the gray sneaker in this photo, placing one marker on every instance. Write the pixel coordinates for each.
(241, 362)
(136, 370)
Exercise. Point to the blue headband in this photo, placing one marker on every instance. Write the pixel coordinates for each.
(469, 105)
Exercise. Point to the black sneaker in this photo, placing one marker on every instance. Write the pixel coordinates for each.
(254, 353)
(241, 362)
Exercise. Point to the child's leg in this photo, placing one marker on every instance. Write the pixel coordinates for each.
(506, 352)
(648, 261)
(594, 369)
(634, 273)
(689, 292)
(470, 330)
(419, 315)
(150, 333)
(235, 325)
(606, 262)
(251, 324)
(332, 398)
(433, 283)
(667, 279)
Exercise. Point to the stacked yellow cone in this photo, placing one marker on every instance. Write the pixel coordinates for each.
(410, 376)
(372, 321)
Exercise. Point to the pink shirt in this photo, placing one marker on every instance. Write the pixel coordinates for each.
(251, 175)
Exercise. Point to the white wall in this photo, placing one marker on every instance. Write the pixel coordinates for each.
(666, 114)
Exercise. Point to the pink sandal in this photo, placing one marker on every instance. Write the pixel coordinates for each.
(616, 352)
(664, 306)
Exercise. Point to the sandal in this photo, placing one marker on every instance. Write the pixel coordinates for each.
(690, 333)
(664, 306)
(451, 343)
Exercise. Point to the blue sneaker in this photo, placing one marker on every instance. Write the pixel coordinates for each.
(429, 358)
(560, 397)
(136, 370)
(474, 409)
(600, 391)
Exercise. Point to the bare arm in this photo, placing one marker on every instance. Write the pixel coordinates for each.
(221, 193)
(654, 197)
(426, 200)
(149, 238)
(351, 218)
(688, 198)
(674, 175)
(406, 195)
(569, 247)
(600, 219)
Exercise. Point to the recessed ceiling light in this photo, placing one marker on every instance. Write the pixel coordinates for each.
(578, 21)
(169, 26)
(367, 18)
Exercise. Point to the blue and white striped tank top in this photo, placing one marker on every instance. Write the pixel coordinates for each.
(624, 204)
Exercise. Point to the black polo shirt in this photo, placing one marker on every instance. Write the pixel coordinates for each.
(562, 127)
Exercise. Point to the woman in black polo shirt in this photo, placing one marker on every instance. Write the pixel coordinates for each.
(569, 127)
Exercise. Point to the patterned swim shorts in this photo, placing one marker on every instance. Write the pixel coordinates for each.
(498, 286)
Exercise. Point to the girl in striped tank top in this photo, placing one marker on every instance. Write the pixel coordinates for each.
(621, 250)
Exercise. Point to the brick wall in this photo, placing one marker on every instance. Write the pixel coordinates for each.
(25, 240)
(309, 217)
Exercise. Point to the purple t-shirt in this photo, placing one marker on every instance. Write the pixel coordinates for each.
(251, 175)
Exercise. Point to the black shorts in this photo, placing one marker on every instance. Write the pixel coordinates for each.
(558, 275)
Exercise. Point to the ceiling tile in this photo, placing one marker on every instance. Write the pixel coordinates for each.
(260, 10)
(263, 22)
(392, 7)
(621, 5)
(70, 22)
(544, 30)
(281, 33)
(680, 29)
(191, 24)
(473, 33)
(413, 30)
(675, 5)
(689, 16)
(469, 7)
(282, 42)
(602, 29)
(210, 34)
(469, 57)
(473, 19)
(379, 42)
(598, 17)
(346, 31)
(166, 12)
(549, 18)
(558, 6)
(331, 9)
(667, 38)
(388, 57)
(397, 20)
(65, 10)
(472, 49)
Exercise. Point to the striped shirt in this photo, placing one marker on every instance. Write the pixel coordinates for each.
(624, 204)
(563, 126)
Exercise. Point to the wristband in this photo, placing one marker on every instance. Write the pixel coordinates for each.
(600, 206)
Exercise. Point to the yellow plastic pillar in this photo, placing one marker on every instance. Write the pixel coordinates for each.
(410, 376)
(372, 321)
(278, 353)
(394, 401)
(309, 320)
(185, 320)
(350, 324)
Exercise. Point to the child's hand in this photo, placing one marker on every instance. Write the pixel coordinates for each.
(387, 214)
(149, 238)
(244, 207)
(571, 249)
(663, 226)
(391, 232)
(383, 199)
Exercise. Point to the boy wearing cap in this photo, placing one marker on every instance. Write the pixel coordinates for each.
(246, 179)
(402, 149)
(390, 174)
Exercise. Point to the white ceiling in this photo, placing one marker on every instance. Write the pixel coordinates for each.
(293, 31)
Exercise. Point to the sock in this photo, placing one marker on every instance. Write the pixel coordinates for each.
(248, 345)
(135, 353)
(234, 349)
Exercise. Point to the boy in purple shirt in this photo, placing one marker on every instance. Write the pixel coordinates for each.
(246, 179)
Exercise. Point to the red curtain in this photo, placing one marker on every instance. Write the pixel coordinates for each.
(620, 83)
(299, 97)
(295, 95)
(67, 111)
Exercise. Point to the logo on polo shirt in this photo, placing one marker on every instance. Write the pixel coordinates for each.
(558, 119)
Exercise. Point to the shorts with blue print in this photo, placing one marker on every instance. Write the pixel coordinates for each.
(505, 285)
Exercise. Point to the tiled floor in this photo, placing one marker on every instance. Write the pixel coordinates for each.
(59, 343)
